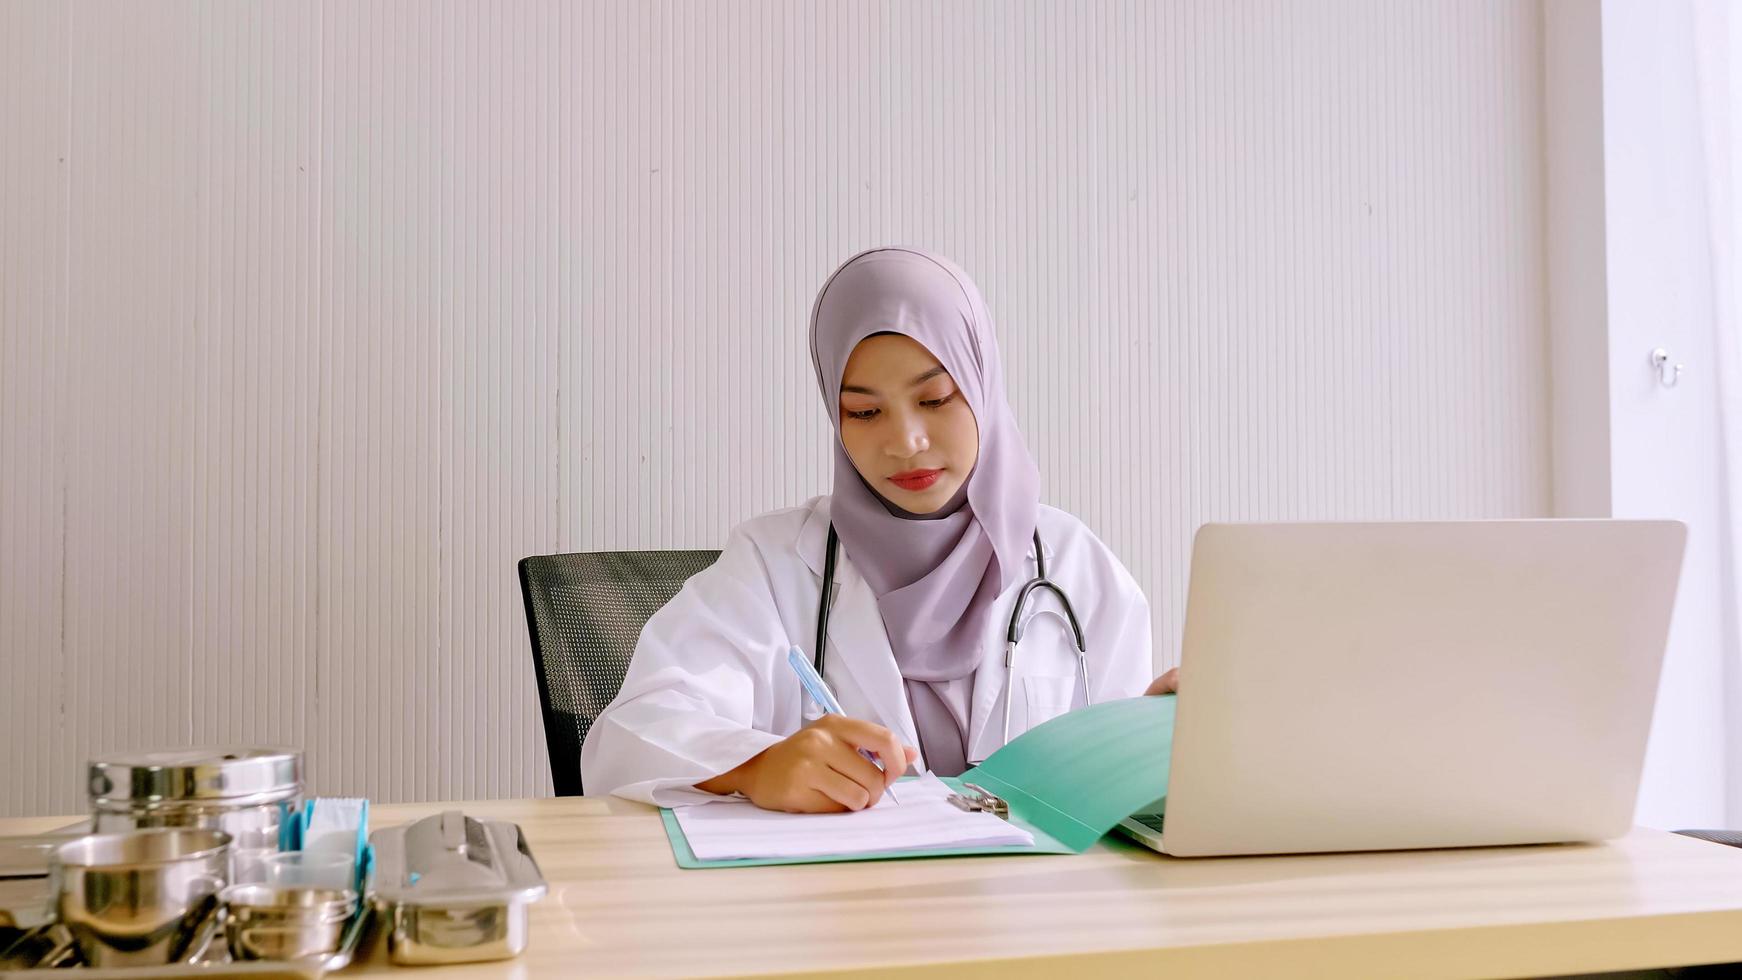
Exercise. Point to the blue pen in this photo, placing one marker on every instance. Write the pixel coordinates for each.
(813, 685)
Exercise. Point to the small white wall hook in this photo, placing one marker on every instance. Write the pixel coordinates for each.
(1667, 374)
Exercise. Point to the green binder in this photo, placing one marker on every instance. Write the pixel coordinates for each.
(1067, 782)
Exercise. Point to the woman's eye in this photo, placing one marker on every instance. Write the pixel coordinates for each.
(939, 402)
(864, 416)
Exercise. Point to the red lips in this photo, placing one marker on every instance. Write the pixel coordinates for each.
(914, 480)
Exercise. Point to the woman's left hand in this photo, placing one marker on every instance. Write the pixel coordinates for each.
(1167, 683)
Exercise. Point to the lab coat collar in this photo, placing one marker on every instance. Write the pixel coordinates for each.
(813, 537)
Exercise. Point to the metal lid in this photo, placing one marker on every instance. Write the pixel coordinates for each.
(453, 861)
(231, 776)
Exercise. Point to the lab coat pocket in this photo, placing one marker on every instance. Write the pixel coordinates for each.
(1047, 697)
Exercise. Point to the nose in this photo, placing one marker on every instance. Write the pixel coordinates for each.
(909, 438)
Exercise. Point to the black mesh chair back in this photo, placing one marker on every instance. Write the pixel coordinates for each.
(585, 612)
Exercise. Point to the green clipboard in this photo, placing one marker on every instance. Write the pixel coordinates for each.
(1067, 782)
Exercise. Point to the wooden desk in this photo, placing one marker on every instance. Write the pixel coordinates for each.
(618, 905)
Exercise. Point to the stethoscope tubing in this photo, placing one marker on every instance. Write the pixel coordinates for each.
(1012, 634)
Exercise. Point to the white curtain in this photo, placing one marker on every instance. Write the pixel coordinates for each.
(1718, 42)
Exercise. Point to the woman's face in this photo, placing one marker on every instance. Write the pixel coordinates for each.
(905, 425)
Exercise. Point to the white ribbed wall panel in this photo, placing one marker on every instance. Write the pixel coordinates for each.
(37, 766)
(314, 318)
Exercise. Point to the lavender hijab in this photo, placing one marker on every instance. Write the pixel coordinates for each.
(936, 576)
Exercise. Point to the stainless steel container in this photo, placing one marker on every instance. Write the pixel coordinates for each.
(26, 894)
(452, 889)
(266, 922)
(247, 793)
(141, 898)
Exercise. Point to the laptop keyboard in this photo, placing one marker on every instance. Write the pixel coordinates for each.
(1150, 820)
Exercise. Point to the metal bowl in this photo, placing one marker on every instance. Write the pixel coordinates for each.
(269, 922)
(142, 898)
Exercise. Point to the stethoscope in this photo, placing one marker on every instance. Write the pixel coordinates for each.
(1012, 635)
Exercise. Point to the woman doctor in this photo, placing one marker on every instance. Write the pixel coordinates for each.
(936, 506)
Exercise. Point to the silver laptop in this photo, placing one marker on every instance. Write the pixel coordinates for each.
(1393, 685)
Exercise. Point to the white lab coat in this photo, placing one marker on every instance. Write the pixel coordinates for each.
(710, 686)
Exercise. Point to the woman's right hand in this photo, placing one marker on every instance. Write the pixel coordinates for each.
(818, 769)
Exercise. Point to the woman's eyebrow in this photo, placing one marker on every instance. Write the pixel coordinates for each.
(915, 383)
(922, 379)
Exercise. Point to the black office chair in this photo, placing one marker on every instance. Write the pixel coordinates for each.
(584, 613)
